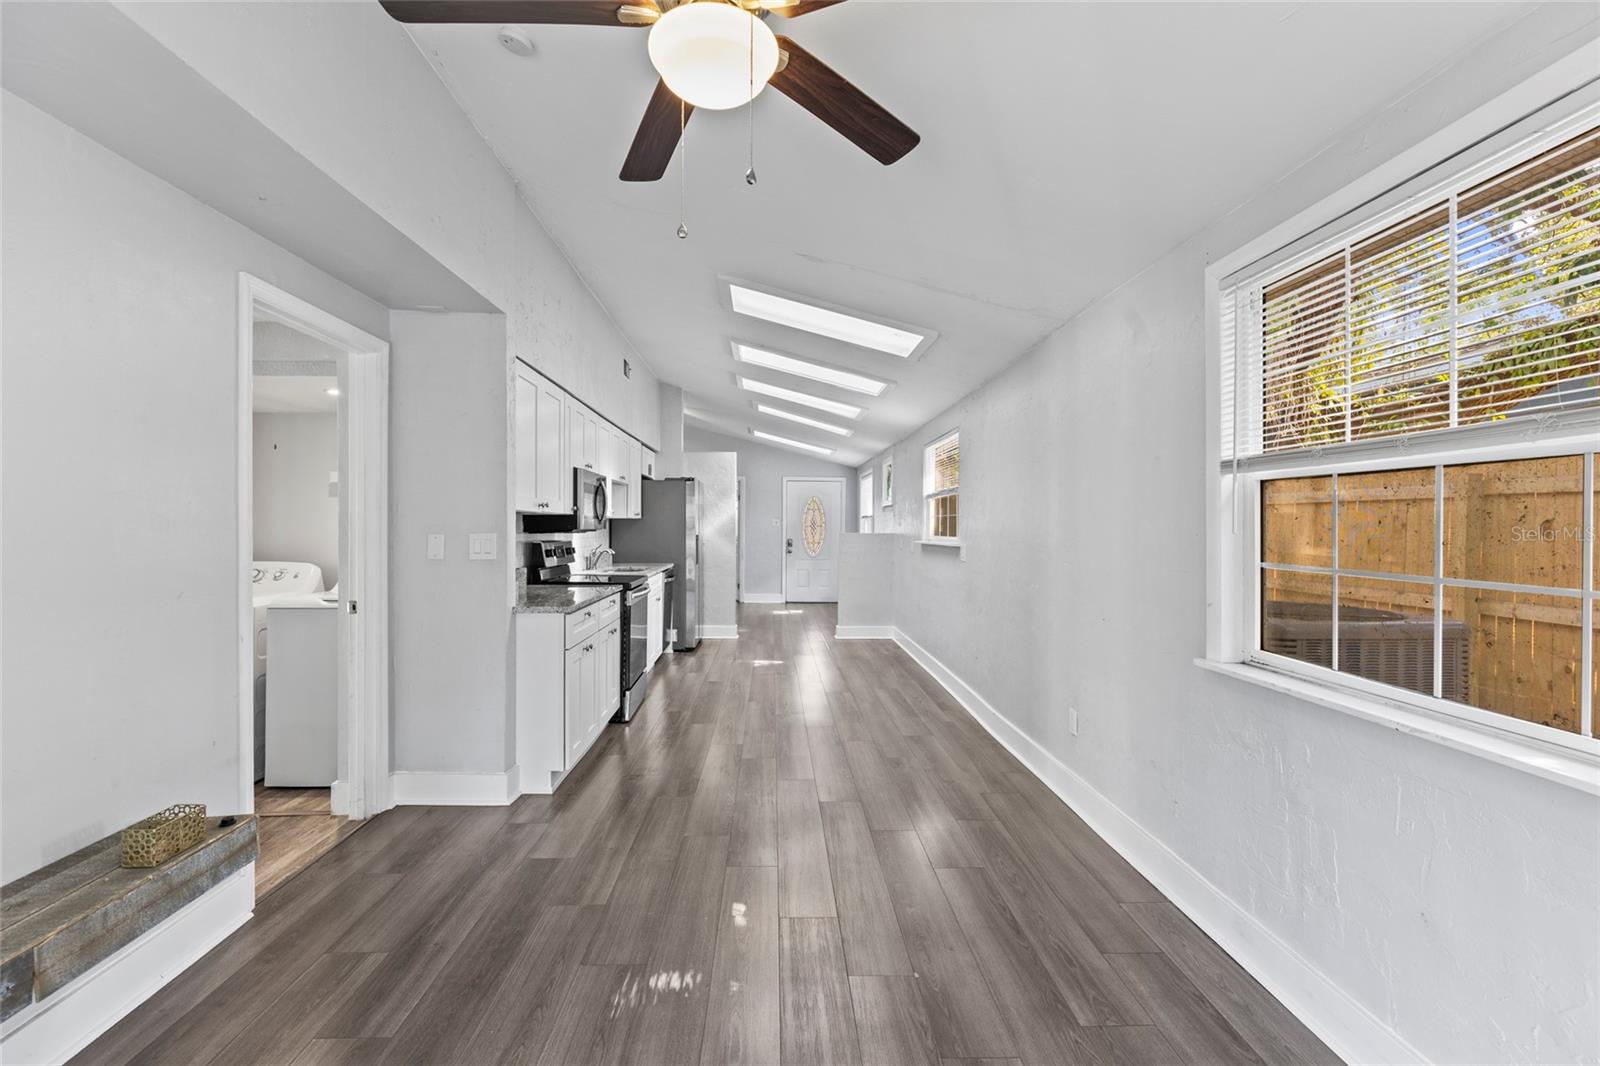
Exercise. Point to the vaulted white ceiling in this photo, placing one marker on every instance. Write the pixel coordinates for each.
(1065, 146)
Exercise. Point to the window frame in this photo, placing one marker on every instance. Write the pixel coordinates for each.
(1533, 116)
(1561, 444)
(929, 494)
(865, 502)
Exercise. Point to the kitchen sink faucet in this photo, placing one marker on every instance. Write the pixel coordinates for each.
(594, 556)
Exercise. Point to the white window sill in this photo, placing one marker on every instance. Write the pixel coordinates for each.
(1573, 769)
(940, 543)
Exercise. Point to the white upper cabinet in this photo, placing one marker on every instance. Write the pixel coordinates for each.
(610, 449)
(552, 476)
(583, 436)
(647, 461)
(527, 442)
(541, 484)
(634, 462)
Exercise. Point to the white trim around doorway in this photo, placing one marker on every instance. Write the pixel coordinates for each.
(363, 787)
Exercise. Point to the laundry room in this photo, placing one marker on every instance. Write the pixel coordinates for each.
(294, 575)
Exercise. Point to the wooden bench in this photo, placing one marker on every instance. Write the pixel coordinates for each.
(60, 921)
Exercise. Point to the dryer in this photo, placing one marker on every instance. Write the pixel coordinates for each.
(273, 581)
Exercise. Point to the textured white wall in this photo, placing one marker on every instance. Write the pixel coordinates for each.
(295, 518)
(1453, 898)
(763, 470)
(120, 665)
(719, 534)
(866, 579)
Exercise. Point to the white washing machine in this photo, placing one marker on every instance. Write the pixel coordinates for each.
(269, 582)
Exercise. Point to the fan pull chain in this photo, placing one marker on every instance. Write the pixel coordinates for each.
(683, 169)
(750, 175)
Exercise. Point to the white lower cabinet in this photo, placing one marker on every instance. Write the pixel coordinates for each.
(579, 731)
(569, 684)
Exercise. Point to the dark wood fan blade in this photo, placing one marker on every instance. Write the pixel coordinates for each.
(658, 135)
(821, 90)
(555, 12)
(795, 8)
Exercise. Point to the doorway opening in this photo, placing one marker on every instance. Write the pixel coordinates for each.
(813, 518)
(313, 730)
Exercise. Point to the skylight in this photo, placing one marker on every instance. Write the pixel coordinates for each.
(804, 399)
(819, 320)
(786, 442)
(814, 423)
(801, 368)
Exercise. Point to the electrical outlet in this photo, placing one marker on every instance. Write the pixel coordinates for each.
(1072, 720)
(483, 545)
(436, 545)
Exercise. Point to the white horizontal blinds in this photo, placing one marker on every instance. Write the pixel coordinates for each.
(1304, 335)
(1400, 328)
(1529, 285)
(1481, 306)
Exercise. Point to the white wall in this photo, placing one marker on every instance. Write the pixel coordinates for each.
(120, 662)
(450, 619)
(295, 518)
(866, 580)
(1452, 898)
(669, 452)
(763, 469)
(344, 85)
(719, 534)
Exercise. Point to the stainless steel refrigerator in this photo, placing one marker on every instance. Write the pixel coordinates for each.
(668, 532)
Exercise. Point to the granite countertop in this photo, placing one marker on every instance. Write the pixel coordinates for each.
(562, 599)
(645, 569)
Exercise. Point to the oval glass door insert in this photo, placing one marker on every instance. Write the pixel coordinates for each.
(814, 527)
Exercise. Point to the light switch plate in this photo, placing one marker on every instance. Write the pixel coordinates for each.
(483, 545)
(436, 545)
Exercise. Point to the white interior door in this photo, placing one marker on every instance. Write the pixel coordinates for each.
(813, 518)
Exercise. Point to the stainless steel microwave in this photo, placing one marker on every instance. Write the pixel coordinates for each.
(590, 502)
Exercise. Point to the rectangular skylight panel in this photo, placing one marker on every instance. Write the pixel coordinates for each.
(814, 423)
(786, 442)
(800, 368)
(804, 399)
(821, 321)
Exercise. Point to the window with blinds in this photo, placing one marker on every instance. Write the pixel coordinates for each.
(1411, 413)
(1481, 307)
(941, 466)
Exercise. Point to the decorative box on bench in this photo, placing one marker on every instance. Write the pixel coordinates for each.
(58, 922)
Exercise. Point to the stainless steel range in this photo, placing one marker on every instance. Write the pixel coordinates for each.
(550, 562)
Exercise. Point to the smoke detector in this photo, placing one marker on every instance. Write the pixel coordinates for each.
(515, 41)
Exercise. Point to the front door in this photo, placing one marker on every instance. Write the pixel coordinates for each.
(813, 518)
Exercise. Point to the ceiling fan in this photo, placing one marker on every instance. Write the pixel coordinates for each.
(715, 54)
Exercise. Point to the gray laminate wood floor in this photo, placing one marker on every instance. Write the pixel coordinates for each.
(801, 851)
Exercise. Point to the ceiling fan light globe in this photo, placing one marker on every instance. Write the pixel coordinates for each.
(713, 55)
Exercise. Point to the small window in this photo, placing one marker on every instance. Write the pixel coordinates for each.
(864, 507)
(941, 487)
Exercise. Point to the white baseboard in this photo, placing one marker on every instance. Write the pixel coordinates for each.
(719, 632)
(421, 788)
(1352, 1031)
(763, 597)
(864, 633)
(58, 1027)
